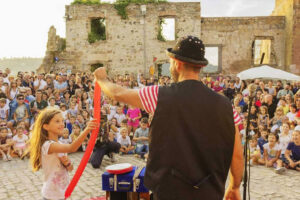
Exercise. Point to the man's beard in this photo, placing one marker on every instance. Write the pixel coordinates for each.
(174, 75)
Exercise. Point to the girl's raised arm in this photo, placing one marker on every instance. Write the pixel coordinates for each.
(73, 147)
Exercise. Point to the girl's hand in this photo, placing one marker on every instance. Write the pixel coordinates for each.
(269, 164)
(64, 160)
(91, 125)
(292, 164)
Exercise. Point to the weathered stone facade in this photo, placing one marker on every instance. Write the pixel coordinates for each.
(131, 45)
(235, 36)
(291, 10)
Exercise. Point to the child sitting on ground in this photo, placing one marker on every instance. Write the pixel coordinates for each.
(125, 142)
(271, 152)
(262, 140)
(65, 138)
(292, 153)
(254, 152)
(5, 144)
(284, 139)
(20, 140)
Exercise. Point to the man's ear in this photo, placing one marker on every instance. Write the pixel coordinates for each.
(178, 66)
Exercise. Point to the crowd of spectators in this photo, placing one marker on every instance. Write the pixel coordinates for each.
(274, 123)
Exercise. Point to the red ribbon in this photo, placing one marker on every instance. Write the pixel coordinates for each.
(90, 147)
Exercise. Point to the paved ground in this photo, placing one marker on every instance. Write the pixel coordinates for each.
(18, 182)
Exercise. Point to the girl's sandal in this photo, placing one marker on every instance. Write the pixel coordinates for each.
(5, 158)
(9, 157)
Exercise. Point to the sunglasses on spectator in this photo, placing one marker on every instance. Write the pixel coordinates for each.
(20, 98)
(2, 125)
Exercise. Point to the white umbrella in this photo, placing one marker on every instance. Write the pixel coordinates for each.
(267, 72)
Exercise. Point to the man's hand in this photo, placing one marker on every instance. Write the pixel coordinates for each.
(232, 194)
(100, 74)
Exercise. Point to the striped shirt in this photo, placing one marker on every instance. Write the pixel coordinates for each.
(148, 96)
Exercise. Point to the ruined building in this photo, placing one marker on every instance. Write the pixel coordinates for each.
(136, 44)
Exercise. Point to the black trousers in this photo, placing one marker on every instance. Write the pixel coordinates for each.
(100, 151)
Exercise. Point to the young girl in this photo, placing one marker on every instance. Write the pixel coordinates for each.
(253, 116)
(263, 116)
(133, 116)
(20, 140)
(76, 133)
(284, 139)
(65, 138)
(44, 150)
(119, 116)
(125, 142)
(254, 152)
(271, 152)
(276, 121)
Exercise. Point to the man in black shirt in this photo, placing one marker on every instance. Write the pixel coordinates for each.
(271, 105)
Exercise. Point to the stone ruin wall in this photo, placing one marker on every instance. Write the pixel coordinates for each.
(291, 10)
(296, 39)
(123, 50)
(235, 35)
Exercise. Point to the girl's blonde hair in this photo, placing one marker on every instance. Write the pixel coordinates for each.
(39, 136)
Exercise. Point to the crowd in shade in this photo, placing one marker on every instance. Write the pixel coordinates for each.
(274, 115)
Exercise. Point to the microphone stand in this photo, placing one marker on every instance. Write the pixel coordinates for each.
(246, 148)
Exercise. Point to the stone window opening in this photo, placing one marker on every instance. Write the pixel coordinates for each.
(98, 30)
(213, 53)
(166, 29)
(262, 51)
(163, 69)
(96, 66)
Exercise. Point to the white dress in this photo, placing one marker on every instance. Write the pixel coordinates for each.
(56, 177)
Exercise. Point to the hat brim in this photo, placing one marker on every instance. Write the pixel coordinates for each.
(170, 53)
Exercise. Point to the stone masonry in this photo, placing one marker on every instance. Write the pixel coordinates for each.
(131, 45)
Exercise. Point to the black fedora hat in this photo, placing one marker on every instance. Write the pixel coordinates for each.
(189, 49)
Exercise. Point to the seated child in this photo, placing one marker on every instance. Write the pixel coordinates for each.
(292, 153)
(262, 140)
(75, 134)
(254, 151)
(141, 137)
(271, 152)
(20, 141)
(65, 138)
(125, 142)
(5, 144)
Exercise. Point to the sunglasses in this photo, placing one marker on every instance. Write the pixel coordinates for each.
(2, 125)
(20, 98)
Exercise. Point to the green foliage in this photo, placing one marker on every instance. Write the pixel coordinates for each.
(86, 2)
(96, 66)
(97, 30)
(120, 5)
(160, 36)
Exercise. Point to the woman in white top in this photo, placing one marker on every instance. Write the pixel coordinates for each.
(13, 90)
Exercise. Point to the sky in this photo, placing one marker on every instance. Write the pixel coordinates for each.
(24, 24)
